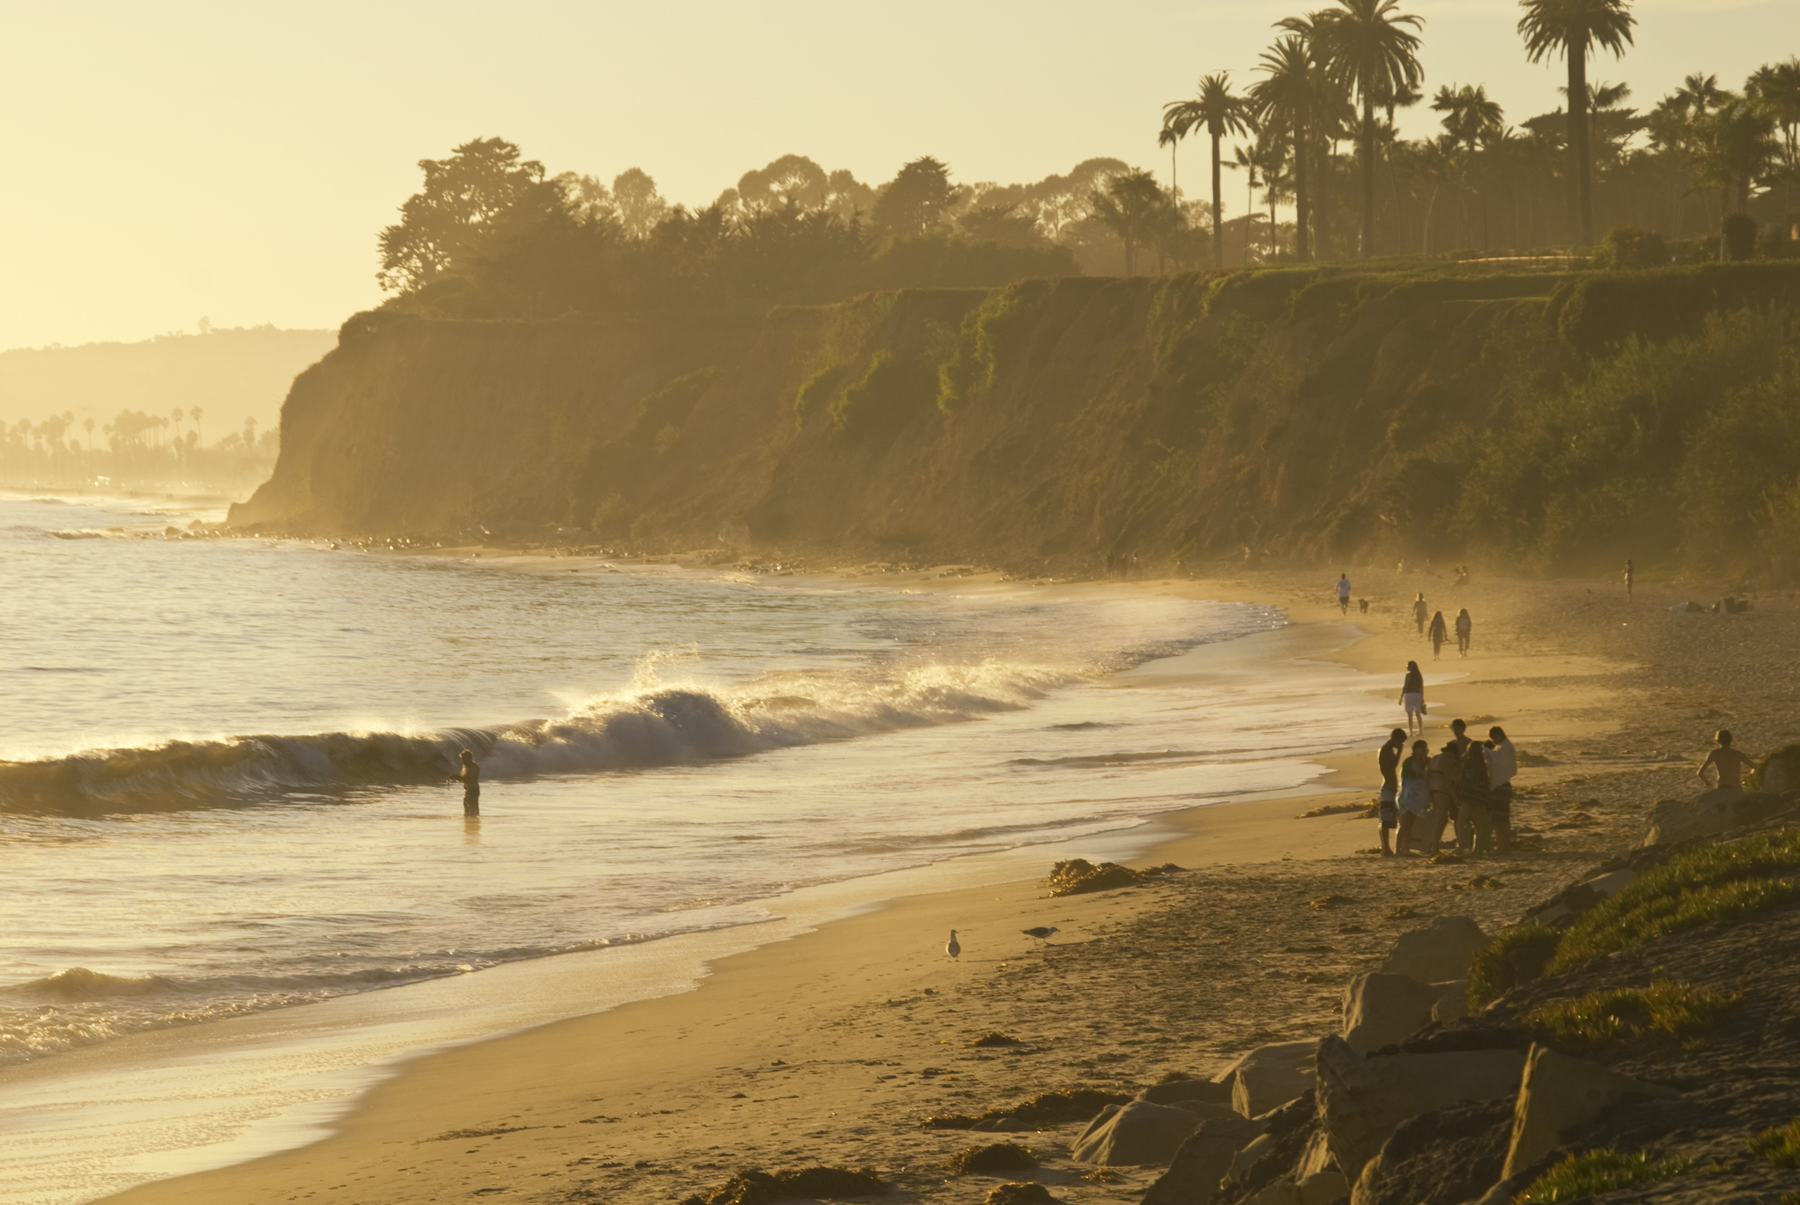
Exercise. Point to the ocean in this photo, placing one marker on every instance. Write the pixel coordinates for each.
(223, 771)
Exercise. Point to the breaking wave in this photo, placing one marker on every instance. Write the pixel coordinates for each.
(644, 726)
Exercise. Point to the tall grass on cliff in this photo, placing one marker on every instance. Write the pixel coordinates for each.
(1697, 435)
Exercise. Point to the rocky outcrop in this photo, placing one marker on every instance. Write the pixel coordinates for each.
(1140, 1132)
(1381, 1009)
(1558, 1096)
(1362, 1101)
(1435, 953)
(1709, 814)
(1203, 1160)
(1270, 1076)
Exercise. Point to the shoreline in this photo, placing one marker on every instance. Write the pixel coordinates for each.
(402, 1107)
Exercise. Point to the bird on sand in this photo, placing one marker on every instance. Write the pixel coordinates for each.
(1041, 932)
(954, 948)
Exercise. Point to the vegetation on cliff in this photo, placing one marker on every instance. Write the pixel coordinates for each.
(1544, 421)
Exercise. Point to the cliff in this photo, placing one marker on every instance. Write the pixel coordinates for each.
(1304, 412)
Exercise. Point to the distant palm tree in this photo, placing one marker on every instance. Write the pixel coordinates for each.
(1572, 28)
(1287, 100)
(1777, 88)
(1221, 113)
(1172, 140)
(1471, 120)
(1365, 48)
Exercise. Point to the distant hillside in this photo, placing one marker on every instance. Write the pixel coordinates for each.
(231, 375)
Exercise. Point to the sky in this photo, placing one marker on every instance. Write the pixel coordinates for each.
(235, 161)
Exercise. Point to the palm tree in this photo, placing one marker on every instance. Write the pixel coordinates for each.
(1248, 159)
(1365, 49)
(1739, 143)
(1286, 101)
(1572, 28)
(1221, 113)
(1471, 121)
(1777, 88)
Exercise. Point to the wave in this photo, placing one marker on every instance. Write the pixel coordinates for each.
(643, 727)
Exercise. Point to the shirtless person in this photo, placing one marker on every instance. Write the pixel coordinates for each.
(1727, 762)
(1389, 763)
(470, 777)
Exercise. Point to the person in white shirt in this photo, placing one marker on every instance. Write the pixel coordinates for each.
(1343, 589)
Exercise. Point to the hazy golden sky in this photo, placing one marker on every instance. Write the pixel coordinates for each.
(235, 160)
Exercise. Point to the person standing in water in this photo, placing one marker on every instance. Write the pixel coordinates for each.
(1726, 762)
(1439, 633)
(470, 777)
(1412, 697)
(1628, 577)
(1343, 589)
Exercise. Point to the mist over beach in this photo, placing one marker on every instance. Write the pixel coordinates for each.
(1190, 606)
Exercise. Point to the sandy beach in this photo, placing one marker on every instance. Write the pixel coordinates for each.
(834, 1046)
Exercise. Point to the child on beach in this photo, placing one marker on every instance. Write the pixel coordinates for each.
(1415, 796)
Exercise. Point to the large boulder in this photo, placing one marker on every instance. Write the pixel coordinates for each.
(1381, 1009)
(1203, 1160)
(1708, 814)
(1270, 1076)
(1560, 1093)
(1443, 950)
(1362, 1101)
(1452, 1154)
(1139, 1132)
(1187, 1091)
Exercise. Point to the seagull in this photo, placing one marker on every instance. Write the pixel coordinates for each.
(954, 948)
(1042, 932)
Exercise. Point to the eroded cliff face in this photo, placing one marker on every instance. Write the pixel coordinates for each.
(1047, 423)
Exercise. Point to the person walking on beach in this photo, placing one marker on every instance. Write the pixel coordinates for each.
(1415, 795)
(1439, 633)
(1343, 589)
(1412, 697)
(1389, 762)
(1464, 626)
(1727, 763)
(1420, 612)
(470, 777)
(1628, 576)
(1503, 764)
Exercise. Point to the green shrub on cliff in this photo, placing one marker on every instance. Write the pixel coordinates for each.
(1725, 882)
(1691, 435)
(974, 360)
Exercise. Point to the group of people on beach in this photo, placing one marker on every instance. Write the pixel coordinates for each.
(1439, 632)
(1468, 782)
(1435, 627)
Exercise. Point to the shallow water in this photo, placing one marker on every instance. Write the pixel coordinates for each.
(224, 788)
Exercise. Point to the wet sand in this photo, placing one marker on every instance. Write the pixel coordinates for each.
(832, 1047)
